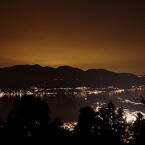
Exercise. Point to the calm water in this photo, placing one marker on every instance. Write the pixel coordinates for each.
(67, 107)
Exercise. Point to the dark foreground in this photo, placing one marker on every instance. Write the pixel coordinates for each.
(30, 121)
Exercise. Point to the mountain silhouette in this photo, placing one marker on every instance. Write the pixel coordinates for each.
(25, 76)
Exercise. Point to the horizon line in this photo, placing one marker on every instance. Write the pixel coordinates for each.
(2, 67)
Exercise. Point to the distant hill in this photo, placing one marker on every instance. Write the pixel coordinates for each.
(25, 76)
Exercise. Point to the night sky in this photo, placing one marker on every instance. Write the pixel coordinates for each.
(81, 33)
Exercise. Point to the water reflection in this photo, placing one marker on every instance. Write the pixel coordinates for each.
(66, 105)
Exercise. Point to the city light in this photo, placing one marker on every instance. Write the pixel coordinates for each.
(70, 125)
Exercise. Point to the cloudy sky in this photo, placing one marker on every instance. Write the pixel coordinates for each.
(81, 33)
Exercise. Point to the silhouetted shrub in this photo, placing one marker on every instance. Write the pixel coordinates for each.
(30, 120)
(107, 125)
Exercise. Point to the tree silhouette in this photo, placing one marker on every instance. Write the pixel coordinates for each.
(139, 128)
(86, 122)
(29, 119)
(107, 125)
(29, 113)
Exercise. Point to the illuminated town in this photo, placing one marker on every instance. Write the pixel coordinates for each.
(75, 91)
(80, 93)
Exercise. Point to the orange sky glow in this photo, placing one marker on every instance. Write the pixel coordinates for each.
(80, 33)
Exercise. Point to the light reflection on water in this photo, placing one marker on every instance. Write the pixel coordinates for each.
(67, 107)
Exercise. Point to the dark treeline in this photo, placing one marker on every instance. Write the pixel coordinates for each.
(30, 120)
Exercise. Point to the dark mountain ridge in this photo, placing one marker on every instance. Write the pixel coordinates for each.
(25, 76)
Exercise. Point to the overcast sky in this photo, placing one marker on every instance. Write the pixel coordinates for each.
(81, 33)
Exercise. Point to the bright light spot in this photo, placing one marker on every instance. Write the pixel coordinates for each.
(70, 125)
(130, 116)
(2, 94)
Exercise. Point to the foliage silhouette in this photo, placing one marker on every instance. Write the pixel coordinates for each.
(107, 123)
(28, 113)
(138, 129)
(30, 119)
